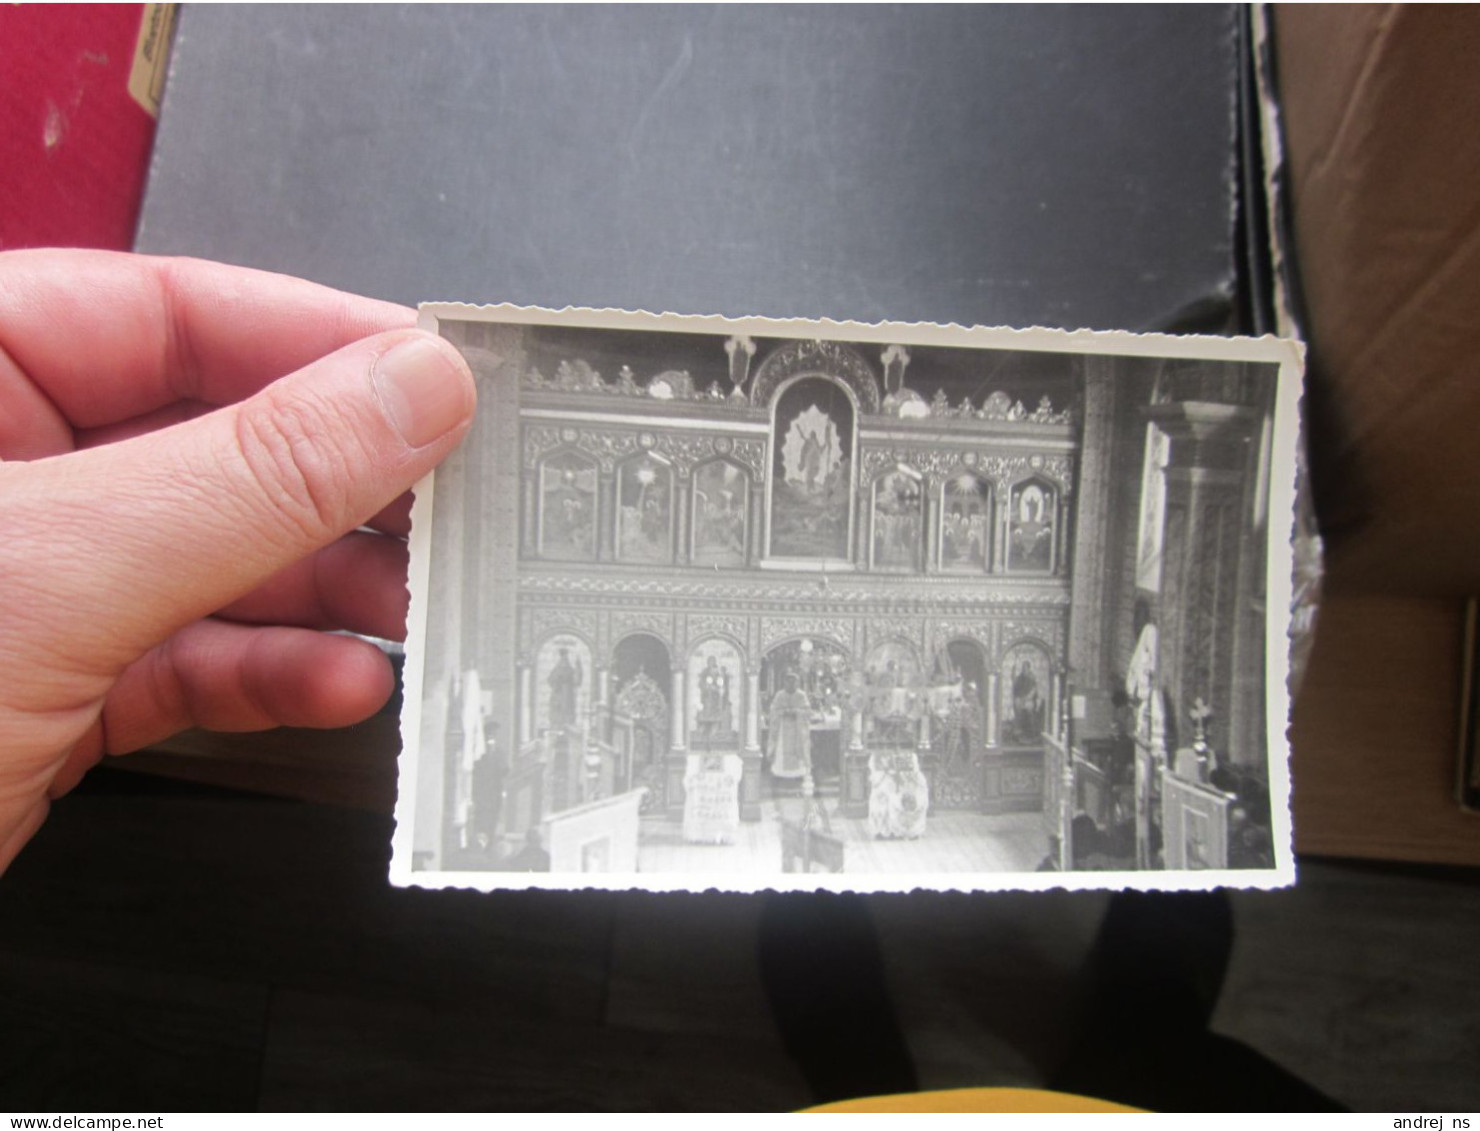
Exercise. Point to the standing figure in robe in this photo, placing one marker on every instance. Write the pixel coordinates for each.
(791, 730)
(565, 680)
(1027, 706)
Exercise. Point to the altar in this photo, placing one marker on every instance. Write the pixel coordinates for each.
(899, 797)
(711, 802)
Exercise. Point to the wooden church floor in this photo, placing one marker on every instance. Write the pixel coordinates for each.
(954, 842)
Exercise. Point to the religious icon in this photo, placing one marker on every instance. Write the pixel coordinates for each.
(565, 682)
(562, 672)
(1030, 543)
(714, 689)
(965, 523)
(811, 482)
(897, 521)
(714, 675)
(644, 521)
(721, 500)
(568, 508)
(1025, 691)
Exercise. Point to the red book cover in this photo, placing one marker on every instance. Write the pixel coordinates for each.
(74, 143)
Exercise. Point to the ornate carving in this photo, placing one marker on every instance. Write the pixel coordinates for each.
(579, 377)
(548, 622)
(735, 626)
(610, 445)
(933, 594)
(834, 359)
(642, 699)
(1022, 781)
(776, 629)
(624, 622)
(957, 783)
(937, 462)
(687, 449)
(1049, 633)
(979, 630)
(998, 406)
(539, 439)
(570, 376)
(880, 629)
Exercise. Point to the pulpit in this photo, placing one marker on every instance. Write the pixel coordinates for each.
(599, 836)
(1194, 823)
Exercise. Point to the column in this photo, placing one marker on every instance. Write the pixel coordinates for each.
(753, 711)
(1202, 545)
(1090, 586)
(757, 517)
(681, 523)
(1056, 706)
(606, 515)
(676, 764)
(678, 740)
(1061, 542)
(1003, 524)
(526, 704)
(762, 532)
(531, 512)
(601, 711)
(991, 736)
(932, 527)
(750, 756)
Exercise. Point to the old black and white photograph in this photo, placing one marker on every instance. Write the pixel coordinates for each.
(704, 603)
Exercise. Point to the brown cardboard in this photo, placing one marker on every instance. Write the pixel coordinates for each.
(1380, 106)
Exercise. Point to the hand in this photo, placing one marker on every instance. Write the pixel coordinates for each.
(192, 451)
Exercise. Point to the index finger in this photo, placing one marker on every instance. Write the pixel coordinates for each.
(90, 338)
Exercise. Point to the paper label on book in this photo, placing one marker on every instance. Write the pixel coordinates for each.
(152, 56)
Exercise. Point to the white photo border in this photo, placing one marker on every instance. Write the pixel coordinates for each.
(1287, 355)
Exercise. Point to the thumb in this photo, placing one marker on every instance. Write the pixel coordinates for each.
(168, 527)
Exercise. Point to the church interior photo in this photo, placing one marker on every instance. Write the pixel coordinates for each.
(726, 604)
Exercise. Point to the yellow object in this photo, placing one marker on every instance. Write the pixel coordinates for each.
(978, 1100)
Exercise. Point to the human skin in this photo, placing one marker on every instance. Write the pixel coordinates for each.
(202, 468)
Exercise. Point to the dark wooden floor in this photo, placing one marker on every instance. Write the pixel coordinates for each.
(165, 947)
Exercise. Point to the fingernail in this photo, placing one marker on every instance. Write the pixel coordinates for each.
(424, 389)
